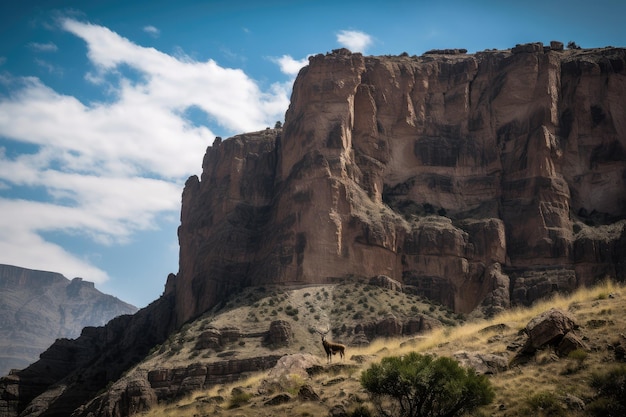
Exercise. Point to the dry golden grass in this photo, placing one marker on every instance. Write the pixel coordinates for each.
(544, 374)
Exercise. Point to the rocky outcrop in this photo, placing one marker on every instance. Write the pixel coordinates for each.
(482, 363)
(144, 389)
(554, 328)
(460, 176)
(280, 334)
(391, 326)
(38, 307)
(548, 328)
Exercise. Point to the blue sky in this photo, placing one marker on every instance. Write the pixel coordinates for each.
(107, 107)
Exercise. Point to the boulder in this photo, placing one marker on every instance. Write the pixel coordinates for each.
(528, 48)
(556, 45)
(307, 393)
(278, 399)
(280, 333)
(548, 329)
(390, 326)
(295, 364)
(209, 339)
(570, 342)
(482, 363)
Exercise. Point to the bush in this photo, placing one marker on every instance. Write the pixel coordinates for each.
(238, 399)
(361, 411)
(545, 404)
(417, 385)
(611, 389)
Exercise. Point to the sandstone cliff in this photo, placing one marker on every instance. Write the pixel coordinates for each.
(37, 307)
(484, 178)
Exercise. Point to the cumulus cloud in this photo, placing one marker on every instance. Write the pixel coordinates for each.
(355, 41)
(289, 65)
(152, 31)
(110, 169)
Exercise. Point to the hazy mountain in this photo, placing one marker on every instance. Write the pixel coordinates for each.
(38, 307)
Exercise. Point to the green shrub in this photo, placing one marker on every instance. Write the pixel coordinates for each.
(238, 399)
(611, 389)
(361, 411)
(545, 404)
(578, 355)
(417, 385)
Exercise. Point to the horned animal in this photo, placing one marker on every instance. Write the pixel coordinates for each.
(331, 348)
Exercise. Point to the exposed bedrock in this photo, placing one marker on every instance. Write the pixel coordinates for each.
(450, 173)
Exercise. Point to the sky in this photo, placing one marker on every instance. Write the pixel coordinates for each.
(107, 107)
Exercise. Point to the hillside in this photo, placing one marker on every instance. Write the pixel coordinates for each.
(38, 307)
(558, 384)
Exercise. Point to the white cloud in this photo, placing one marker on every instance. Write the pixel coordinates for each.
(355, 41)
(152, 31)
(43, 47)
(48, 67)
(289, 65)
(112, 169)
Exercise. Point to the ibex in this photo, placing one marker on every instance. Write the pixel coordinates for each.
(331, 348)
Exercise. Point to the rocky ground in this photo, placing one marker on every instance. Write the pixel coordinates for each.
(517, 349)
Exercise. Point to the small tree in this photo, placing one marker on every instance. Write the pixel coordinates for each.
(572, 45)
(417, 385)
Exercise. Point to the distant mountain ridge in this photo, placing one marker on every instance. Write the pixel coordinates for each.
(38, 307)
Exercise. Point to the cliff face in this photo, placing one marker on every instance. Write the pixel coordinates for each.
(37, 307)
(484, 178)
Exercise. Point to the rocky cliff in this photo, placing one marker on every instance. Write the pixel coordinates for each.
(477, 180)
(488, 178)
(37, 307)
(72, 371)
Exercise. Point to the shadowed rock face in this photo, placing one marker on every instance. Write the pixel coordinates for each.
(467, 177)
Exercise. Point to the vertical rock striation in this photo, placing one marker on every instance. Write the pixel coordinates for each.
(483, 178)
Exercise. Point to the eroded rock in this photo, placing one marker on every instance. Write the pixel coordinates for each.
(482, 363)
(548, 329)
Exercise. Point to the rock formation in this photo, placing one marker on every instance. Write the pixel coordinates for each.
(71, 372)
(38, 307)
(470, 178)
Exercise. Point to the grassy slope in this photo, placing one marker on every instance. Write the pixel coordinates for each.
(339, 384)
